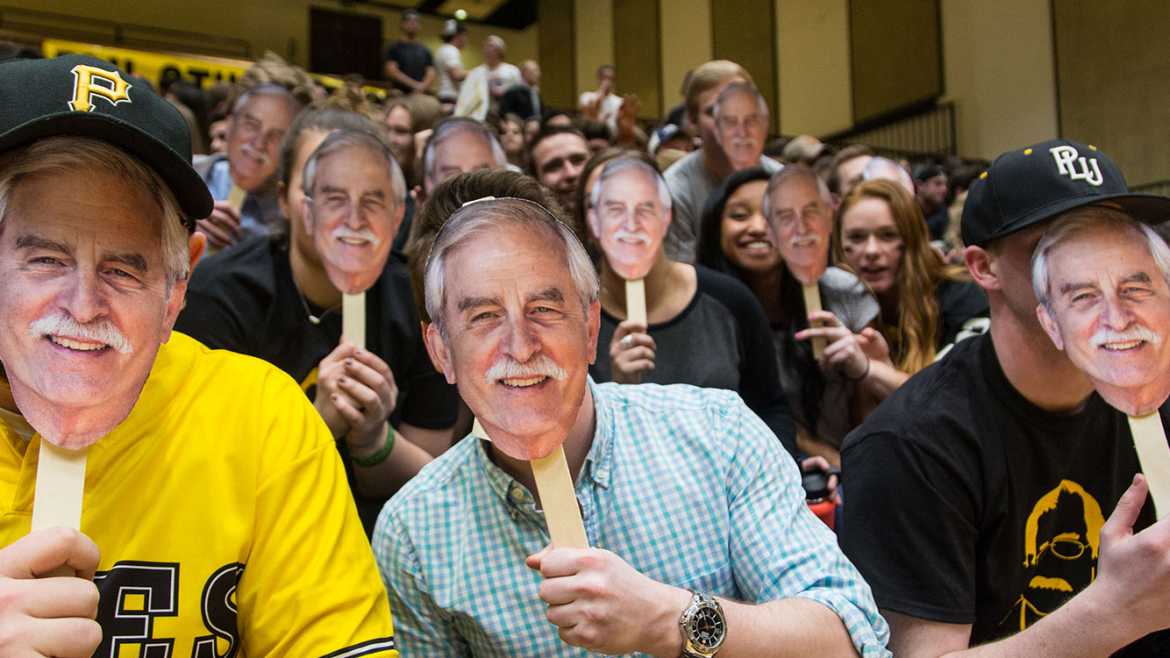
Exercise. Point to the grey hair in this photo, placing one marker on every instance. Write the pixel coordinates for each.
(447, 129)
(1083, 219)
(617, 166)
(487, 216)
(790, 173)
(339, 140)
(881, 168)
(59, 154)
(266, 89)
(737, 88)
(498, 42)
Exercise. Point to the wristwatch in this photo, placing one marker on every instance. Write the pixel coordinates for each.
(703, 627)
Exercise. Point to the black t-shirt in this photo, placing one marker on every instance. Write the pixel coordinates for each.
(720, 340)
(244, 299)
(967, 504)
(412, 58)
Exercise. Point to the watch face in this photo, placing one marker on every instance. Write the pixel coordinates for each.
(707, 628)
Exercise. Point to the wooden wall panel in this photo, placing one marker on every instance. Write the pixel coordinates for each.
(744, 31)
(896, 55)
(636, 53)
(1112, 70)
(558, 82)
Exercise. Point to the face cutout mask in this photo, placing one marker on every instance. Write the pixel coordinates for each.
(1109, 311)
(629, 219)
(353, 216)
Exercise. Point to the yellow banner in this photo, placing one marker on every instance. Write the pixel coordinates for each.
(200, 70)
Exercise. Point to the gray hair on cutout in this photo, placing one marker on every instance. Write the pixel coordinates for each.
(69, 153)
(448, 128)
(617, 166)
(485, 217)
(737, 88)
(1084, 219)
(342, 139)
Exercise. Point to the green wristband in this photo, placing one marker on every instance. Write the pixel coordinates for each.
(379, 456)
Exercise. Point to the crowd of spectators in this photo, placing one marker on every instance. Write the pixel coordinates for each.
(910, 414)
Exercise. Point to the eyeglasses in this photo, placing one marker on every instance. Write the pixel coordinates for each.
(1063, 547)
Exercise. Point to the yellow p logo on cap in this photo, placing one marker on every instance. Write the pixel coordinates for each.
(90, 81)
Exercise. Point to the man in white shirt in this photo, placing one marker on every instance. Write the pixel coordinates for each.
(487, 82)
(449, 63)
(602, 105)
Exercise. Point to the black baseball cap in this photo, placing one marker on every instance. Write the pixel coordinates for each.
(87, 97)
(1034, 184)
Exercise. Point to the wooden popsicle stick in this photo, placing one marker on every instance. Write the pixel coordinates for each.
(1149, 438)
(558, 497)
(353, 318)
(636, 300)
(60, 486)
(812, 303)
(236, 197)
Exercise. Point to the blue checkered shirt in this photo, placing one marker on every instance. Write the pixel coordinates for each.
(685, 484)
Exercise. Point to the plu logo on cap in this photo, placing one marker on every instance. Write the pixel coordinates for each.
(90, 81)
(1069, 162)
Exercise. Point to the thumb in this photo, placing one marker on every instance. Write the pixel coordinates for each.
(45, 551)
(533, 561)
(1120, 522)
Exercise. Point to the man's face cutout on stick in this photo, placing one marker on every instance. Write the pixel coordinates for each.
(353, 213)
(1108, 309)
(85, 301)
(802, 221)
(516, 339)
(630, 217)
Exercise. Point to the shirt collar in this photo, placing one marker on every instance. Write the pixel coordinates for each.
(597, 461)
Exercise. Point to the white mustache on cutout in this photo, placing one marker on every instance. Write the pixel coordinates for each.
(62, 325)
(538, 366)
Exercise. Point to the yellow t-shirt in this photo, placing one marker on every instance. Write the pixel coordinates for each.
(224, 520)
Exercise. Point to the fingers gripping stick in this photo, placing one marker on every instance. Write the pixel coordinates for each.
(1149, 438)
(812, 304)
(59, 489)
(557, 496)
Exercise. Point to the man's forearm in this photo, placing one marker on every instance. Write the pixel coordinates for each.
(428, 79)
(787, 627)
(398, 76)
(1079, 628)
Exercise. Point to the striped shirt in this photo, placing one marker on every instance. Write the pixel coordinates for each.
(685, 484)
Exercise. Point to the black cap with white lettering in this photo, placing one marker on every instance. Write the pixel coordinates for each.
(87, 97)
(1032, 185)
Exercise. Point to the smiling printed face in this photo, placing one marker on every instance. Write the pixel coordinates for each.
(353, 216)
(518, 343)
(631, 220)
(84, 301)
(254, 133)
(1110, 312)
(802, 222)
